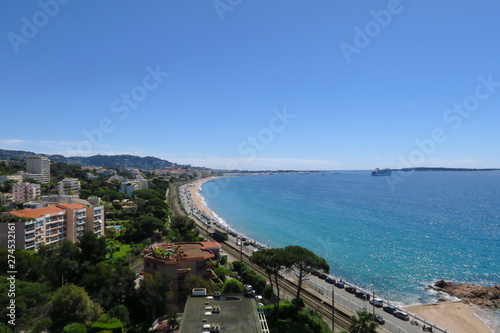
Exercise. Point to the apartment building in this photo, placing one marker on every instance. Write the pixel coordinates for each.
(76, 220)
(47, 227)
(39, 168)
(69, 186)
(52, 224)
(26, 191)
(181, 260)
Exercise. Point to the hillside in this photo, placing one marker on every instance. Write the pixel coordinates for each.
(107, 161)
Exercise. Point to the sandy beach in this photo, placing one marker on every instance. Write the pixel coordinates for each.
(195, 197)
(456, 317)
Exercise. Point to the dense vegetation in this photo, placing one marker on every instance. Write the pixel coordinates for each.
(107, 161)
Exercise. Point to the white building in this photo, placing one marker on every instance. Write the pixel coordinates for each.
(16, 178)
(39, 168)
(6, 198)
(69, 186)
(26, 191)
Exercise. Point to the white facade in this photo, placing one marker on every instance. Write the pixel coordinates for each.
(17, 178)
(69, 186)
(26, 191)
(39, 167)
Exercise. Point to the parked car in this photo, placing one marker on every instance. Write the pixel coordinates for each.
(390, 309)
(330, 280)
(315, 272)
(339, 284)
(322, 276)
(362, 295)
(377, 302)
(350, 290)
(379, 319)
(401, 315)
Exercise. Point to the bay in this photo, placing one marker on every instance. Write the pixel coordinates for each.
(395, 239)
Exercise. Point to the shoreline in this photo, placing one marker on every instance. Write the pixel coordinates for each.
(454, 316)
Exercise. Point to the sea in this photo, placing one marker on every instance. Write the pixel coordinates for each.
(395, 235)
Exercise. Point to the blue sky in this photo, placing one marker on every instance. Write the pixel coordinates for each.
(253, 84)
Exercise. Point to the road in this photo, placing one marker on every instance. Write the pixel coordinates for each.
(317, 294)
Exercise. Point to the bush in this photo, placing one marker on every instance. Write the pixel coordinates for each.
(41, 326)
(268, 292)
(222, 272)
(75, 328)
(233, 287)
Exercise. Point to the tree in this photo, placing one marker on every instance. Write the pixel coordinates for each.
(93, 248)
(232, 286)
(183, 229)
(363, 323)
(155, 293)
(72, 304)
(141, 228)
(274, 261)
(303, 262)
(75, 328)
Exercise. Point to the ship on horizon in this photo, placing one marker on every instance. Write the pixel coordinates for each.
(381, 172)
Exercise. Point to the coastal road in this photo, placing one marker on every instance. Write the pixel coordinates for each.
(316, 292)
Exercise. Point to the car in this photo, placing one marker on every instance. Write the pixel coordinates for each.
(339, 284)
(379, 319)
(350, 290)
(401, 315)
(377, 302)
(389, 309)
(315, 272)
(246, 243)
(330, 280)
(362, 295)
(322, 276)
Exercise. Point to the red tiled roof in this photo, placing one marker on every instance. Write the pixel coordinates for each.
(71, 206)
(38, 212)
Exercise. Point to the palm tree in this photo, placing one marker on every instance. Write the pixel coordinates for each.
(363, 323)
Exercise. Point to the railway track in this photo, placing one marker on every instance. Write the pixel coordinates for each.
(312, 301)
(342, 319)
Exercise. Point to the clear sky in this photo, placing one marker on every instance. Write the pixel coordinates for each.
(276, 84)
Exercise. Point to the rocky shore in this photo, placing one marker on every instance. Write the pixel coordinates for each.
(478, 295)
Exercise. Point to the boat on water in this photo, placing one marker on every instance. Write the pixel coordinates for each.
(381, 172)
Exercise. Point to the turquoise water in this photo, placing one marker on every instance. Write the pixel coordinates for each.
(432, 226)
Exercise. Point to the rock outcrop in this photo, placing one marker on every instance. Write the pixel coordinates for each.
(478, 295)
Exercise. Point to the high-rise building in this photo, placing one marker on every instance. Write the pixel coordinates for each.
(39, 168)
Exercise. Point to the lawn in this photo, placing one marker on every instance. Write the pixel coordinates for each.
(124, 249)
